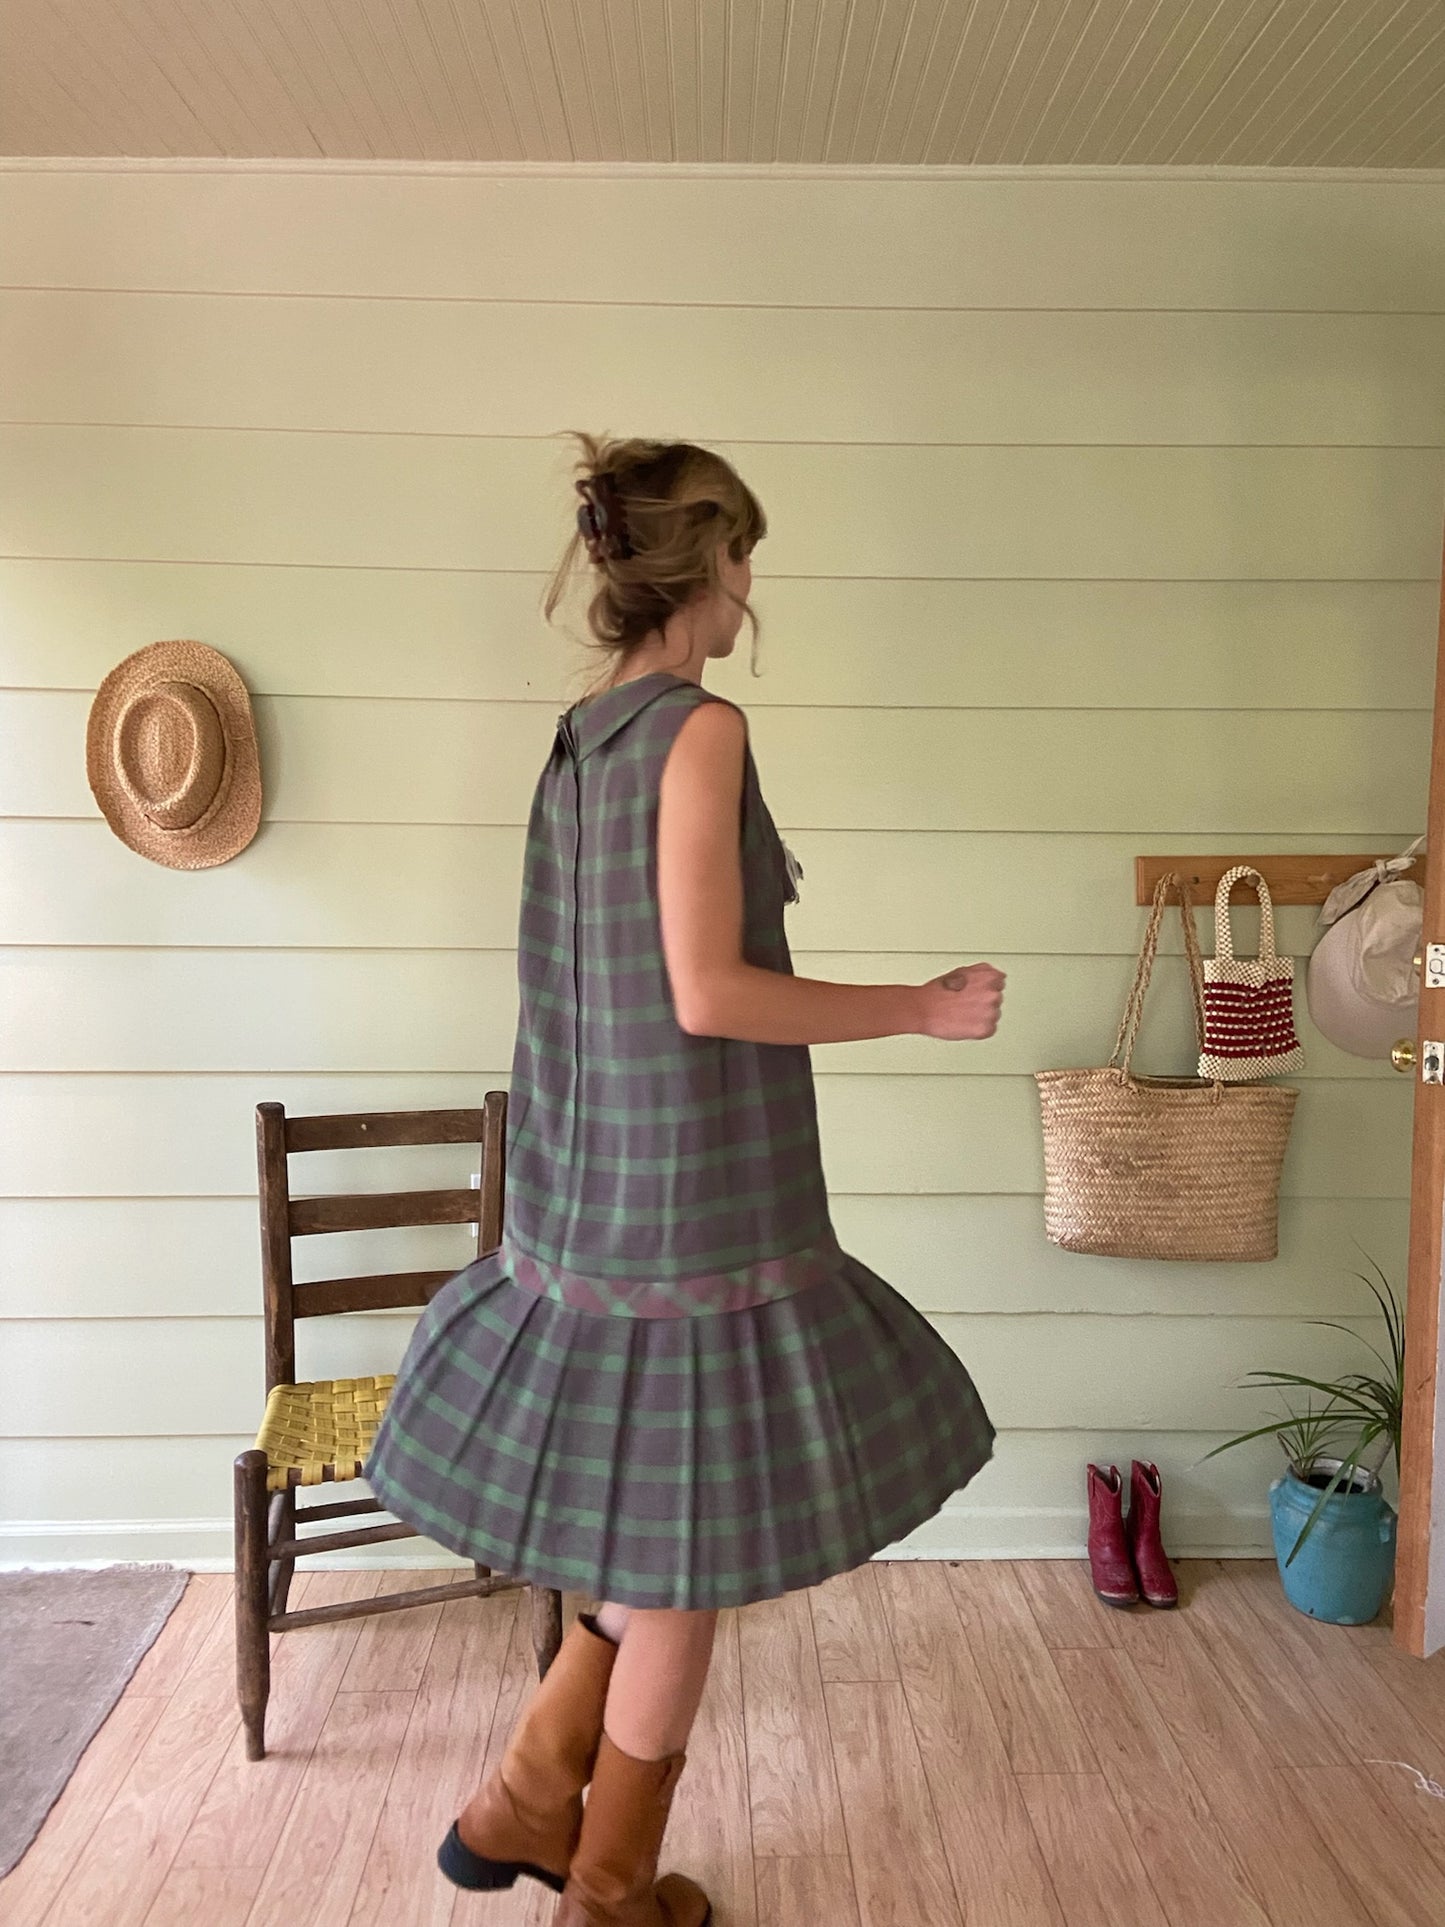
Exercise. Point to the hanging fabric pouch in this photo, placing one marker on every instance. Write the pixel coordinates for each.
(1249, 1028)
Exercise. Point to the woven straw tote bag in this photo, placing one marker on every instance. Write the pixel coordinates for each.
(1248, 1001)
(1180, 1168)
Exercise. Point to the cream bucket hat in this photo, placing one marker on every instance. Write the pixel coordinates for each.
(1363, 985)
(171, 755)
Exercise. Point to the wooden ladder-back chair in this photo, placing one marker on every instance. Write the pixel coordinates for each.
(319, 1432)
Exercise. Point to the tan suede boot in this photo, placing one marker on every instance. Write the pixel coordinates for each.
(614, 1880)
(526, 1817)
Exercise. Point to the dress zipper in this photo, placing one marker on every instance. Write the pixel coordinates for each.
(567, 732)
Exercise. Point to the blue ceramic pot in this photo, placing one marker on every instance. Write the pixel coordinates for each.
(1343, 1570)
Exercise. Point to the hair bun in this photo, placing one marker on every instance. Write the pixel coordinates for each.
(655, 518)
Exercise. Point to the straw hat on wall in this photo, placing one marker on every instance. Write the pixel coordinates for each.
(171, 755)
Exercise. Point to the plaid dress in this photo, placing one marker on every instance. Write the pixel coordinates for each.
(669, 1386)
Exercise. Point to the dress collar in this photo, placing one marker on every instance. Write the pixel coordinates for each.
(591, 723)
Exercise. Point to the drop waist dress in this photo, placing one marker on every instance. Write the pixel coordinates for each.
(669, 1385)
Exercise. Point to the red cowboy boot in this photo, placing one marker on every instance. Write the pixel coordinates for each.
(1146, 1548)
(1109, 1563)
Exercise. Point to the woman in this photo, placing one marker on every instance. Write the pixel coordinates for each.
(669, 1388)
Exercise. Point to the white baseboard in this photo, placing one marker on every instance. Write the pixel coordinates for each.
(974, 1532)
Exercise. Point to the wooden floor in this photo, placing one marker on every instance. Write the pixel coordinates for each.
(912, 1745)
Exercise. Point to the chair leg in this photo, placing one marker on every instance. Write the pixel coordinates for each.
(253, 1634)
(482, 1572)
(282, 1569)
(546, 1626)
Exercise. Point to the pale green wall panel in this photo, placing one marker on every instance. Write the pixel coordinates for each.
(132, 1377)
(1063, 893)
(658, 236)
(400, 885)
(182, 1136)
(320, 884)
(922, 1134)
(424, 501)
(337, 1010)
(1025, 1503)
(480, 636)
(1218, 771)
(989, 1254)
(755, 374)
(956, 1253)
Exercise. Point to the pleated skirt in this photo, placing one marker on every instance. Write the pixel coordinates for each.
(695, 1462)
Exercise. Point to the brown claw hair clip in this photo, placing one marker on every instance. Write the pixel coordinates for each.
(601, 520)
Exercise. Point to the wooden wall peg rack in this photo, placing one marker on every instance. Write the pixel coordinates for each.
(1291, 879)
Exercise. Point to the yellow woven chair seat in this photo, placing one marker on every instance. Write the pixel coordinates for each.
(320, 1431)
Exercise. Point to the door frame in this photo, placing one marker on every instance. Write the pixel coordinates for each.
(1419, 1618)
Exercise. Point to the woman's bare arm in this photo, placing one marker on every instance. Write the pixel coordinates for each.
(700, 901)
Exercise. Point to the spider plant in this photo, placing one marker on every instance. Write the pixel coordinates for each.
(1360, 1408)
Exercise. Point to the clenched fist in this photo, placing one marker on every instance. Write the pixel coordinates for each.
(964, 1003)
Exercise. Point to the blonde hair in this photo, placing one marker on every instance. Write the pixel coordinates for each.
(677, 504)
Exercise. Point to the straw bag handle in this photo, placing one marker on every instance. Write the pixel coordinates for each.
(1134, 1009)
(1223, 932)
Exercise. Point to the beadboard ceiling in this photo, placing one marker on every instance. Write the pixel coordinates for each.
(1282, 83)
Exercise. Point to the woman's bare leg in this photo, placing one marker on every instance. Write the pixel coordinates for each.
(611, 1622)
(657, 1678)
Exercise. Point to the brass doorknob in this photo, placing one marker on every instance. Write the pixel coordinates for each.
(1402, 1056)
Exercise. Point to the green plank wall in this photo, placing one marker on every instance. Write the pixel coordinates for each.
(1106, 518)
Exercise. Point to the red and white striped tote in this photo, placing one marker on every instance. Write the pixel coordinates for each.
(1248, 1002)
